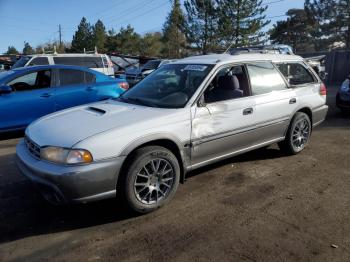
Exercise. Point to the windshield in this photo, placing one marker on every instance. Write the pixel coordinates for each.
(21, 62)
(170, 86)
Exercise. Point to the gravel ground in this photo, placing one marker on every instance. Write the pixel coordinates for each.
(260, 206)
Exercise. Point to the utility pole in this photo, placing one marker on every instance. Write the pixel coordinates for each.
(60, 34)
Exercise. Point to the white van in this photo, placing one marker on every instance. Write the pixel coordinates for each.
(99, 62)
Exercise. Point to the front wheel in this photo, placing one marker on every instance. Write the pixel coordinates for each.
(151, 180)
(298, 134)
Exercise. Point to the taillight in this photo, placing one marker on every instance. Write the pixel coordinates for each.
(323, 89)
(124, 85)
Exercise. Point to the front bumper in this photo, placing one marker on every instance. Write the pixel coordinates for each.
(70, 183)
(319, 115)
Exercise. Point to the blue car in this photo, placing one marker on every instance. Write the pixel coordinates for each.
(28, 93)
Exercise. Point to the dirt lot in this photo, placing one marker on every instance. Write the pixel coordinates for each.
(261, 206)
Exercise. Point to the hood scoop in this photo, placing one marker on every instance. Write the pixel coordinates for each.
(96, 110)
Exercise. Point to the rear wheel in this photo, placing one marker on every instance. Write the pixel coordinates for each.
(151, 179)
(298, 134)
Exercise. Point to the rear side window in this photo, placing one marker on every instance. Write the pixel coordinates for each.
(296, 74)
(75, 77)
(88, 61)
(39, 61)
(264, 78)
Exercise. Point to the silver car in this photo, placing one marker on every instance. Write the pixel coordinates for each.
(185, 115)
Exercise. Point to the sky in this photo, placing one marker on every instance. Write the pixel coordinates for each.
(36, 21)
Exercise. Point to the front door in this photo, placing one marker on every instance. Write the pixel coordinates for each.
(32, 97)
(222, 123)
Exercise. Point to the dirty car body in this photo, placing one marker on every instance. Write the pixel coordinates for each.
(193, 112)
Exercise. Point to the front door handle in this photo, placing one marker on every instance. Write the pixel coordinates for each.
(248, 111)
(90, 88)
(292, 101)
(46, 95)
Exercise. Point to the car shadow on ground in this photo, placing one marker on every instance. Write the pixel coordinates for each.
(24, 213)
(11, 135)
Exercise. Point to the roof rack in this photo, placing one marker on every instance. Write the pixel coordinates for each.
(268, 49)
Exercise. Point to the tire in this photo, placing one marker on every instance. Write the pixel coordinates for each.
(298, 134)
(151, 179)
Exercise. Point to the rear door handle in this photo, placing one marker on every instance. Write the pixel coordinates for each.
(46, 95)
(90, 88)
(292, 101)
(248, 111)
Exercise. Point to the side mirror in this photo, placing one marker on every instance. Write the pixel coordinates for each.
(5, 89)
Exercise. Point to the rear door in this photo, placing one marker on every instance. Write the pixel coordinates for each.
(32, 97)
(72, 89)
(274, 101)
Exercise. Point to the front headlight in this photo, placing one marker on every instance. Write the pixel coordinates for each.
(65, 156)
(345, 87)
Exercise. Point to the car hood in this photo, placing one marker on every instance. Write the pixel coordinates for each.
(68, 127)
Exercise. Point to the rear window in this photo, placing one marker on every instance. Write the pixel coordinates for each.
(88, 61)
(295, 73)
(75, 77)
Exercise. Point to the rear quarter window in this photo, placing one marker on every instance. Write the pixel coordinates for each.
(296, 73)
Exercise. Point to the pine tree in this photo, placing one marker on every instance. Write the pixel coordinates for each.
(128, 41)
(296, 31)
(11, 50)
(83, 37)
(28, 50)
(173, 32)
(333, 22)
(241, 22)
(99, 35)
(202, 24)
(151, 44)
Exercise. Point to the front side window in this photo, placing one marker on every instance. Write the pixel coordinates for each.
(264, 78)
(170, 86)
(296, 73)
(35, 80)
(39, 61)
(229, 83)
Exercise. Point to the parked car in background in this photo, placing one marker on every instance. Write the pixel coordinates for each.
(183, 116)
(134, 75)
(98, 62)
(343, 96)
(28, 93)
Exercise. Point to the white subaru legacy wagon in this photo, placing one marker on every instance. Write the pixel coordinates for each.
(185, 115)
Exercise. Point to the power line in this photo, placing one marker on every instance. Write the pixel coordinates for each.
(144, 13)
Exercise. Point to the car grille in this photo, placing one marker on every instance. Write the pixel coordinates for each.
(33, 148)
